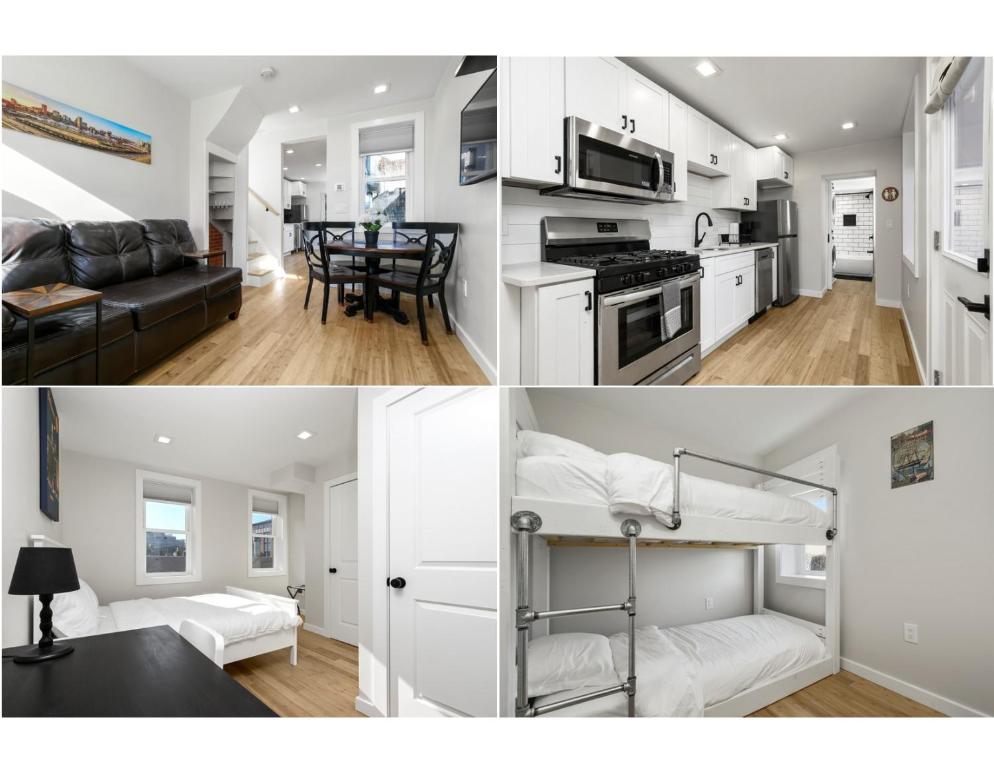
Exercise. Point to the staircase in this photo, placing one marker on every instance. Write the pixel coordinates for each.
(262, 267)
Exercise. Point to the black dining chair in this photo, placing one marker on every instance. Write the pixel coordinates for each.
(320, 268)
(342, 232)
(410, 233)
(430, 280)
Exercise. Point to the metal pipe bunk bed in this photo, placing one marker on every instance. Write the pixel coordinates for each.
(525, 524)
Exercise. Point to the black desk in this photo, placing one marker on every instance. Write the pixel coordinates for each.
(139, 673)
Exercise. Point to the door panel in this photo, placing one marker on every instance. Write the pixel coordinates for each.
(443, 542)
(343, 548)
(648, 105)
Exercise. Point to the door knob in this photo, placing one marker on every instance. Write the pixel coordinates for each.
(397, 582)
(977, 306)
(332, 570)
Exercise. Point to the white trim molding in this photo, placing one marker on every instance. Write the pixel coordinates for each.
(914, 348)
(416, 207)
(892, 303)
(810, 293)
(911, 691)
(474, 351)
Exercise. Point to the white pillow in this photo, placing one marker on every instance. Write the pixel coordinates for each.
(569, 660)
(75, 614)
(542, 444)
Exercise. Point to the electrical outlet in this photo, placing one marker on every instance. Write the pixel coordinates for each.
(911, 633)
(339, 187)
(708, 603)
(465, 288)
(908, 290)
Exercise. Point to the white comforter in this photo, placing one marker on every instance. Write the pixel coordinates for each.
(682, 670)
(231, 616)
(628, 484)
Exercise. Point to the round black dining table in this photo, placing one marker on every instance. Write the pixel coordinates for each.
(383, 250)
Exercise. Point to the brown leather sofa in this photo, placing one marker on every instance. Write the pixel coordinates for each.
(155, 298)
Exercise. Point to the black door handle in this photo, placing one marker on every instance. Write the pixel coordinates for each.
(624, 122)
(559, 164)
(976, 306)
(633, 125)
(984, 262)
(590, 300)
(332, 570)
(397, 582)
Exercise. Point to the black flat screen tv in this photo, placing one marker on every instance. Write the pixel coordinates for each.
(478, 135)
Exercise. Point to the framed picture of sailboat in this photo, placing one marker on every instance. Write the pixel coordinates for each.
(912, 456)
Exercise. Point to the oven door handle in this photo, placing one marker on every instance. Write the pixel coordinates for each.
(627, 298)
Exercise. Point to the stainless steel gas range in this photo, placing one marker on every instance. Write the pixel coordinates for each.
(647, 302)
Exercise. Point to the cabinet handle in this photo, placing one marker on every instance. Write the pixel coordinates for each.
(786, 174)
(559, 164)
(590, 300)
(633, 125)
(624, 122)
(747, 201)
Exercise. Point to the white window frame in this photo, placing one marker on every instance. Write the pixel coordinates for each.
(415, 169)
(193, 540)
(280, 550)
(408, 177)
(796, 578)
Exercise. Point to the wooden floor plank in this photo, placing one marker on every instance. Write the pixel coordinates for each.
(841, 339)
(846, 695)
(276, 341)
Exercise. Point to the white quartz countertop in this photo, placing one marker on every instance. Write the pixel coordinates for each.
(706, 253)
(536, 273)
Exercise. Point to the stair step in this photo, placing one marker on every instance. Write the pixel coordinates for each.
(259, 271)
(257, 255)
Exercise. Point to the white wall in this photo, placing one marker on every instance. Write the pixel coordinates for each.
(297, 543)
(475, 208)
(22, 515)
(88, 183)
(672, 226)
(879, 158)
(918, 554)
(98, 522)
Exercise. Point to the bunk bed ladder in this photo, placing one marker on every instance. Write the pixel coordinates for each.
(524, 524)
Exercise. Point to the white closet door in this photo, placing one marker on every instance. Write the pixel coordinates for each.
(343, 566)
(444, 445)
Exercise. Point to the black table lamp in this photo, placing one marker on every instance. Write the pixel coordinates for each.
(44, 571)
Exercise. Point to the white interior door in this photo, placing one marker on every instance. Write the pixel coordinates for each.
(343, 563)
(443, 461)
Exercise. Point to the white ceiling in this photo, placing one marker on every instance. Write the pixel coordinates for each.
(300, 165)
(806, 98)
(317, 84)
(743, 420)
(239, 434)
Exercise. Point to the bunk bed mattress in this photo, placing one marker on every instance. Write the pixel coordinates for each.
(717, 659)
(628, 484)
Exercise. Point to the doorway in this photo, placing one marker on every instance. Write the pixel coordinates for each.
(852, 228)
(342, 558)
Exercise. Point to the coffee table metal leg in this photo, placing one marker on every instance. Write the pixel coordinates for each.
(29, 375)
(96, 362)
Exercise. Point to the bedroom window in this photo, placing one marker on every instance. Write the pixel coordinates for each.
(267, 553)
(167, 529)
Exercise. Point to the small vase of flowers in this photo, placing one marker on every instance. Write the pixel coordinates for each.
(372, 225)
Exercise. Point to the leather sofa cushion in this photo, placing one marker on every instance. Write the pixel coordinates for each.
(65, 335)
(153, 299)
(168, 240)
(214, 280)
(35, 252)
(103, 253)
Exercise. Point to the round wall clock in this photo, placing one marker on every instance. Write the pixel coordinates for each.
(889, 194)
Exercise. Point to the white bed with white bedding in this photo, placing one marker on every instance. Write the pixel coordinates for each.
(697, 669)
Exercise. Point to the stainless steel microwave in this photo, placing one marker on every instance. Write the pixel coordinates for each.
(606, 165)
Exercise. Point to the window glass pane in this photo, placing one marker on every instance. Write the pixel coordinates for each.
(262, 524)
(165, 552)
(390, 164)
(165, 516)
(814, 560)
(262, 552)
(966, 197)
(386, 199)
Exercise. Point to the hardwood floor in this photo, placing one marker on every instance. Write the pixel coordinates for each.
(846, 695)
(843, 338)
(276, 341)
(323, 684)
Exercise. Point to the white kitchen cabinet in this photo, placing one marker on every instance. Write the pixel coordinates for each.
(533, 109)
(678, 146)
(608, 92)
(708, 145)
(286, 193)
(298, 188)
(557, 334)
(747, 188)
(775, 168)
(725, 288)
(707, 303)
(720, 143)
(734, 293)
(737, 191)
(288, 238)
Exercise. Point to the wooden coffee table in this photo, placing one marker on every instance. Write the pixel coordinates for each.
(43, 300)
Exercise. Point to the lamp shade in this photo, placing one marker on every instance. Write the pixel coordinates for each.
(44, 571)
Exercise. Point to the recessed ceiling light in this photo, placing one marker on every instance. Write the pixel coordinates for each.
(707, 68)
(286, 168)
(305, 435)
(317, 165)
(163, 439)
(382, 88)
(848, 126)
(780, 137)
(289, 151)
(294, 109)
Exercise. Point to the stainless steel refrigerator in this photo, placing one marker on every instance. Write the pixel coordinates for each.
(775, 221)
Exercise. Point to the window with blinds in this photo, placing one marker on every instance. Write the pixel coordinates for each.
(267, 534)
(167, 529)
(385, 161)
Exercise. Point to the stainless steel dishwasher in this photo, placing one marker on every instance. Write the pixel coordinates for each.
(764, 281)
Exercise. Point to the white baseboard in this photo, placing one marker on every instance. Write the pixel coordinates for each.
(914, 348)
(366, 707)
(913, 692)
(889, 303)
(316, 629)
(485, 365)
(809, 292)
